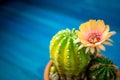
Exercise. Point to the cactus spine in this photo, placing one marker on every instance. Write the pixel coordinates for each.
(101, 68)
(64, 53)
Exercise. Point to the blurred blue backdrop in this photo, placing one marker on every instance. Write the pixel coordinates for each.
(27, 26)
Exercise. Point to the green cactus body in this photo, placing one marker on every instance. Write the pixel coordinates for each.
(102, 68)
(66, 57)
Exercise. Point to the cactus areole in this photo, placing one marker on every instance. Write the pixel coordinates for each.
(65, 55)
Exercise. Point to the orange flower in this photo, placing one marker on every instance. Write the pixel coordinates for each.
(93, 34)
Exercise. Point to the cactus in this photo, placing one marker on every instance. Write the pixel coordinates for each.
(101, 68)
(64, 53)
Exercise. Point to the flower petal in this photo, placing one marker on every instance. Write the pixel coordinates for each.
(81, 35)
(84, 28)
(92, 50)
(109, 40)
(98, 43)
(93, 45)
(98, 49)
(105, 31)
(77, 40)
(84, 42)
(87, 49)
(100, 26)
(101, 47)
(80, 47)
(107, 28)
(109, 34)
(92, 25)
(107, 43)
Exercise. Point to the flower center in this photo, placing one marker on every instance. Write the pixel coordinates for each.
(94, 37)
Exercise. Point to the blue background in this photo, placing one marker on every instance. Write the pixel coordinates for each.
(27, 26)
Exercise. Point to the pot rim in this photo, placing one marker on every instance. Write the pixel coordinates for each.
(47, 70)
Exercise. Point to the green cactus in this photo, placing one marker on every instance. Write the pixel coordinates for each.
(101, 68)
(64, 53)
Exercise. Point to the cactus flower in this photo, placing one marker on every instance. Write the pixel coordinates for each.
(93, 34)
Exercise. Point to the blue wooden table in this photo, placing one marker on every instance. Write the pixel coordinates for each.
(26, 28)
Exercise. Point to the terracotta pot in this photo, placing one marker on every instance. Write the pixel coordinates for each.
(47, 71)
(118, 73)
